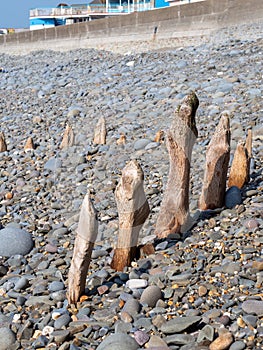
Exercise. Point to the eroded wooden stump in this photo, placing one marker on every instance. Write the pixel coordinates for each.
(68, 138)
(3, 146)
(100, 132)
(179, 140)
(240, 168)
(86, 236)
(216, 167)
(29, 145)
(133, 210)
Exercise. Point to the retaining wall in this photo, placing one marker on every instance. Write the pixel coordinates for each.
(173, 21)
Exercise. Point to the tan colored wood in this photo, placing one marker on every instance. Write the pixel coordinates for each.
(121, 140)
(100, 132)
(179, 140)
(239, 172)
(216, 167)
(86, 236)
(249, 143)
(133, 210)
(159, 136)
(3, 146)
(68, 138)
(29, 146)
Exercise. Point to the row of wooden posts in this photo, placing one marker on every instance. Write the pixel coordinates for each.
(132, 204)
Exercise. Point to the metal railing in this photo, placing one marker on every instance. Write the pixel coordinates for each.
(96, 8)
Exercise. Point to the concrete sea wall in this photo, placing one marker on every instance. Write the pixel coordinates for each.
(170, 22)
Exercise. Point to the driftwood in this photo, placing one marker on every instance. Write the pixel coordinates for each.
(68, 138)
(217, 160)
(29, 146)
(159, 136)
(179, 140)
(86, 236)
(133, 210)
(3, 147)
(121, 140)
(239, 172)
(100, 132)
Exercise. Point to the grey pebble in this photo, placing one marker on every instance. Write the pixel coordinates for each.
(253, 307)
(238, 345)
(118, 341)
(233, 197)
(179, 324)
(7, 338)
(62, 321)
(15, 241)
(151, 295)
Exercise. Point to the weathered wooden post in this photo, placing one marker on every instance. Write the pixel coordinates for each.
(133, 210)
(179, 140)
(217, 160)
(3, 146)
(29, 145)
(100, 132)
(86, 236)
(68, 138)
(240, 168)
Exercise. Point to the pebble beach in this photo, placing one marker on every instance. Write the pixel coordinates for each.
(201, 290)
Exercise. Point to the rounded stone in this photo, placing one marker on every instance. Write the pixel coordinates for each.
(233, 197)
(131, 306)
(151, 295)
(238, 345)
(7, 338)
(253, 307)
(62, 321)
(56, 286)
(118, 341)
(14, 241)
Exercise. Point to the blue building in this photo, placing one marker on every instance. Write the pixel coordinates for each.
(65, 14)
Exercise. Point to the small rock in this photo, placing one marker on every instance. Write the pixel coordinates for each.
(151, 295)
(7, 338)
(118, 341)
(223, 342)
(136, 283)
(141, 337)
(253, 307)
(233, 197)
(179, 324)
(14, 241)
(62, 321)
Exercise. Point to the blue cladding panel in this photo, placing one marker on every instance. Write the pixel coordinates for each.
(161, 3)
(44, 21)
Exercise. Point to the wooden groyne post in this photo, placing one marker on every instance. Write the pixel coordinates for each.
(87, 232)
(133, 210)
(179, 140)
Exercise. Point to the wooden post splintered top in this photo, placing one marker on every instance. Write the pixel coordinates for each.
(187, 111)
(3, 147)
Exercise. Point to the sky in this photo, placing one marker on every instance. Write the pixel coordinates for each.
(15, 13)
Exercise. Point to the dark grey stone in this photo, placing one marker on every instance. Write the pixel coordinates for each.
(15, 241)
(118, 341)
(7, 338)
(233, 197)
(179, 324)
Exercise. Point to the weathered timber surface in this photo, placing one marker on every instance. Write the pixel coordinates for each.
(29, 145)
(239, 172)
(217, 160)
(179, 140)
(133, 210)
(68, 138)
(86, 236)
(100, 132)
(3, 146)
